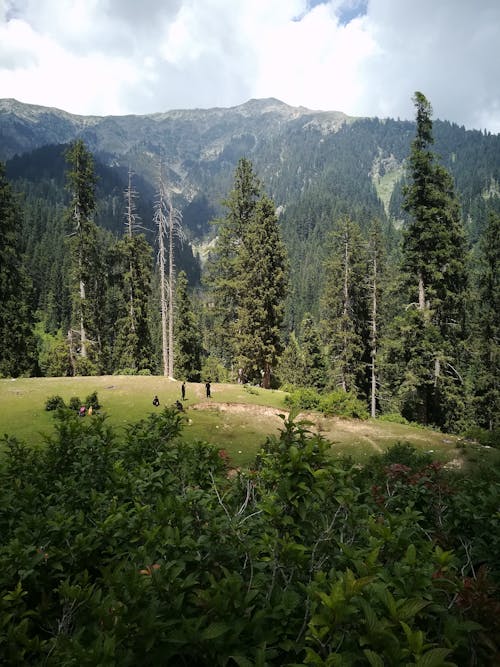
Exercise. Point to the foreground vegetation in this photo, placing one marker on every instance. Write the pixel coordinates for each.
(139, 547)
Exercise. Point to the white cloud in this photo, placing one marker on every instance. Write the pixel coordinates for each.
(357, 56)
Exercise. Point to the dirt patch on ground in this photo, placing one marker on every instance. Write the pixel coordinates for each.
(242, 408)
(339, 431)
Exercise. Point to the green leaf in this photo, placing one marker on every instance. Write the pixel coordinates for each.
(410, 608)
(214, 630)
(373, 658)
(435, 658)
(241, 661)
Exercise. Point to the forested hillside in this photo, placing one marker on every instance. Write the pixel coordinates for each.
(336, 191)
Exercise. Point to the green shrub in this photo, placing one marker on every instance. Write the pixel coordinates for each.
(144, 371)
(214, 371)
(303, 399)
(93, 401)
(54, 403)
(405, 454)
(74, 403)
(343, 404)
(483, 436)
(84, 366)
(393, 418)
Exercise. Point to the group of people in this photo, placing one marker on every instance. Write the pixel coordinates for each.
(178, 404)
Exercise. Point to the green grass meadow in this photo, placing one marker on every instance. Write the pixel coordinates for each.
(236, 418)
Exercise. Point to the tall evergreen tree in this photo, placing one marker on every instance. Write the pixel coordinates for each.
(224, 269)
(263, 284)
(345, 309)
(376, 269)
(426, 352)
(134, 254)
(248, 279)
(314, 366)
(17, 347)
(485, 341)
(87, 271)
(132, 347)
(290, 367)
(188, 346)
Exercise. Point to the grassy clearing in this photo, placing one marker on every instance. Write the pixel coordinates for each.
(235, 418)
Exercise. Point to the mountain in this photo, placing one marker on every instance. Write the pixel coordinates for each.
(316, 165)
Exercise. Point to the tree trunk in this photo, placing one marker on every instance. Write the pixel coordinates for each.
(83, 333)
(161, 221)
(421, 293)
(374, 340)
(266, 378)
(171, 284)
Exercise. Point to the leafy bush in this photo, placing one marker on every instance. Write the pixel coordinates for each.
(144, 371)
(213, 370)
(303, 399)
(405, 454)
(343, 404)
(148, 551)
(393, 418)
(92, 401)
(84, 366)
(74, 403)
(483, 436)
(54, 403)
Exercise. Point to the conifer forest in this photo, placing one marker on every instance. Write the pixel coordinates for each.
(394, 301)
(351, 263)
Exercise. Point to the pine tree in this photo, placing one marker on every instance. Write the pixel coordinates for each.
(263, 284)
(426, 352)
(248, 279)
(345, 309)
(376, 270)
(314, 366)
(434, 243)
(485, 341)
(87, 271)
(17, 345)
(134, 257)
(188, 347)
(290, 369)
(224, 269)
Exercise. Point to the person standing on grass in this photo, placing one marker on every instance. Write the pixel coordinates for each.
(207, 387)
(183, 391)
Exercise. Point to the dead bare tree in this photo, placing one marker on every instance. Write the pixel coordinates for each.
(161, 222)
(168, 222)
(174, 231)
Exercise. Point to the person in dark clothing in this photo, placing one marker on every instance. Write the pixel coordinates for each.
(179, 406)
(207, 387)
(183, 390)
(156, 401)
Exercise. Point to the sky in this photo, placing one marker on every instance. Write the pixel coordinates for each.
(361, 57)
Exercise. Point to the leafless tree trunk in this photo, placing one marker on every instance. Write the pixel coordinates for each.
(374, 338)
(421, 292)
(161, 224)
(83, 333)
(168, 221)
(131, 219)
(171, 285)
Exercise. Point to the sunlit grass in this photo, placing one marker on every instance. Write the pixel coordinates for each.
(235, 418)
